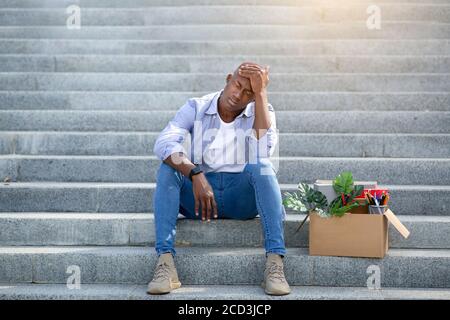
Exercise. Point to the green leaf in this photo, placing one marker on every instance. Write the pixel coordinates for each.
(306, 200)
(340, 211)
(343, 183)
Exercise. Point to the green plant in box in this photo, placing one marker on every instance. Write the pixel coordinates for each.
(347, 191)
(307, 200)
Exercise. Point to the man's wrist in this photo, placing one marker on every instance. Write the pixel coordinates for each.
(196, 176)
(195, 171)
(261, 94)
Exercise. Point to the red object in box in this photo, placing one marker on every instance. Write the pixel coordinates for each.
(375, 192)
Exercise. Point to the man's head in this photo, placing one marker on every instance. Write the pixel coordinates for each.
(237, 92)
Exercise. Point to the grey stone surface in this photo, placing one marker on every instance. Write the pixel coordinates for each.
(23, 229)
(222, 64)
(137, 198)
(426, 232)
(16, 267)
(403, 30)
(337, 86)
(48, 197)
(61, 292)
(290, 144)
(133, 265)
(409, 199)
(126, 199)
(289, 170)
(150, 3)
(401, 265)
(82, 143)
(355, 145)
(414, 47)
(67, 229)
(97, 264)
(211, 292)
(359, 82)
(224, 15)
(301, 101)
(287, 121)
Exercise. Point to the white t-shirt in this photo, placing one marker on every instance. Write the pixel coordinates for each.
(225, 153)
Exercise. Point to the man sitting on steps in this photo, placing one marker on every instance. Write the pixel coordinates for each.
(240, 186)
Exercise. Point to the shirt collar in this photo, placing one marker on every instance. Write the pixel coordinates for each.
(213, 107)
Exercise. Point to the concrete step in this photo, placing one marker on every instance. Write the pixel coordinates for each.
(151, 3)
(212, 292)
(228, 14)
(407, 171)
(352, 30)
(287, 121)
(290, 144)
(90, 229)
(404, 268)
(138, 197)
(222, 64)
(304, 82)
(230, 47)
(301, 101)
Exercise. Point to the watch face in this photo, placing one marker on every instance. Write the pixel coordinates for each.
(197, 170)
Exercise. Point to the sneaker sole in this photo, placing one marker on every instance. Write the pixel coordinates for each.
(279, 293)
(173, 286)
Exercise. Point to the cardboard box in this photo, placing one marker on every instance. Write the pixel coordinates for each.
(357, 233)
(353, 235)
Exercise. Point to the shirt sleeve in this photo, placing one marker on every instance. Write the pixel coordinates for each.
(266, 144)
(171, 138)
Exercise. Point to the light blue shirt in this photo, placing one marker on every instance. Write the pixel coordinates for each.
(199, 118)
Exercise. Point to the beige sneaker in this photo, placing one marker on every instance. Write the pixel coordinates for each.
(274, 281)
(165, 278)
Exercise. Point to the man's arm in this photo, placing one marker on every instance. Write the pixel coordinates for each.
(171, 138)
(180, 163)
(168, 148)
(259, 79)
(203, 192)
(262, 117)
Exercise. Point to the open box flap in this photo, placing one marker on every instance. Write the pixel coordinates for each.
(397, 223)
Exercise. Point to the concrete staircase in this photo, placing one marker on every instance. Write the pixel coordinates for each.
(80, 111)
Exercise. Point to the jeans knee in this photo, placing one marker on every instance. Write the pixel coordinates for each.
(167, 174)
(263, 166)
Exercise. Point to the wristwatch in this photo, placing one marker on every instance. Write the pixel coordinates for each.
(194, 171)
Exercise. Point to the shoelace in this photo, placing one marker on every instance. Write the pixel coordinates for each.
(162, 272)
(276, 272)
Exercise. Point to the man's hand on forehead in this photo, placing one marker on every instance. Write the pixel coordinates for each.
(259, 76)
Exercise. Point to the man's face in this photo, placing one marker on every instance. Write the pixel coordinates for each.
(237, 93)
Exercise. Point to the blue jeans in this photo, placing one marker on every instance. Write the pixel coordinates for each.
(238, 196)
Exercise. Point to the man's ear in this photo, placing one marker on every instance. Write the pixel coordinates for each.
(229, 76)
